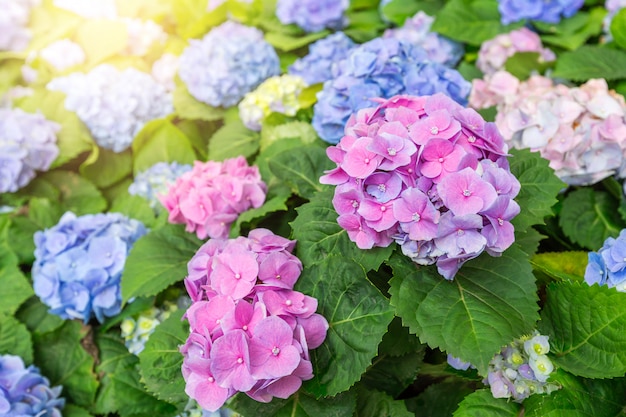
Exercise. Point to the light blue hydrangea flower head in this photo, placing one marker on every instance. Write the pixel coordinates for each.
(316, 66)
(28, 143)
(154, 181)
(608, 265)
(24, 392)
(381, 68)
(544, 11)
(230, 61)
(313, 15)
(114, 104)
(79, 263)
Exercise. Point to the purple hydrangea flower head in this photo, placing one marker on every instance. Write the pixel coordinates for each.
(27, 144)
(24, 392)
(79, 263)
(210, 197)
(416, 31)
(317, 65)
(114, 104)
(14, 33)
(607, 266)
(156, 180)
(250, 331)
(544, 11)
(313, 15)
(239, 59)
(380, 68)
(426, 173)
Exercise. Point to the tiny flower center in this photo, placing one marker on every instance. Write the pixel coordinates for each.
(275, 351)
(288, 302)
(500, 221)
(109, 254)
(211, 379)
(277, 276)
(440, 160)
(467, 193)
(366, 160)
(383, 208)
(382, 188)
(434, 130)
(245, 327)
(355, 204)
(541, 367)
(416, 217)
(460, 232)
(237, 275)
(471, 139)
(391, 151)
(239, 360)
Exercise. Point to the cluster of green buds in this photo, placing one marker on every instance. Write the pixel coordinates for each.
(136, 330)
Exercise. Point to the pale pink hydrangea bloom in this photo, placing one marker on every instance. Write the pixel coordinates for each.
(63, 54)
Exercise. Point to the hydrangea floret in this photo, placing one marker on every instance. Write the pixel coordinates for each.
(210, 197)
(250, 331)
(544, 11)
(612, 7)
(239, 59)
(317, 65)
(24, 392)
(156, 180)
(79, 263)
(313, 15)
(63, 54)
(383, 67)
(28, 143)
(580, 130)
(14, 33)
(494, 53)
(607, 266)
(426, 173)
(416, 31)
(279, 94)
(114, 104)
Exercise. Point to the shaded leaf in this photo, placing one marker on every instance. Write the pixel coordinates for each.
(372, 403)
(34, 314)
(77, 194)
(15, 339)
(482, 404)
(273, 205)
(298, 405)
(15, 286)
(440, 399)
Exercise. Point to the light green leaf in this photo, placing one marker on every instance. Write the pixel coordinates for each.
(71, 410)
(134, 207)
(523, 64)
(160, 361)
(490, 302)
(105, 167)
(232, 140)
(586, 328)
(482, 404)
(539, 187)
(588, 217)
(572, 33)
(273, 205)
(299, 404)
(43, 212)
(301, 169)
(20, 234)
(302, 130)
(188, 107)
(15, 286)
(591, 62)
(319, 235)
(561, 266)
(15, 339)
(288, 43)
(77, 194)
(358, 316)
(372, 403)
(158, 260)
(618, 28)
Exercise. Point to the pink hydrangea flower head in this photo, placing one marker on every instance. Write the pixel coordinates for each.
(423, 172)
(210, 197)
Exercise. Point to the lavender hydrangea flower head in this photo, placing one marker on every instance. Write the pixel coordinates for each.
(156, 180)
(313, 15)
(79, 263)
(416, 31)
(316, 66)
(380, 68)
(607, 266)
(27, 144)
(24, 392)
(540, 10)
(14, 34)
(114, 104)
(63, 54)
(239, 60)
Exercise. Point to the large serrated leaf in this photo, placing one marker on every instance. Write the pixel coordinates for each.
(15, 339)
(34, 314)
(298, 405)
(482, 404)
(15, 286)
(441, 399)
(319, 235)
(591, 62)
(105, 167)
(232, 140)
(158, 260)
(273, 205)
(358, 316)
(372, 403)
(187, 107)
(393, 374)
(76, 193)
(490, 302)
(561, 265)
(586, 328)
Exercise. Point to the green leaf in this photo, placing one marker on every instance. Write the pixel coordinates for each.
(441, 399)
(63, 360)
(371, 403)
(561, 266)
(273, 205)
(15, 286)
(71, 410)
(288, 43)
(298, 405)
(523, 64)
(134, 207)
(586, 328)
(274, 185)
(160, 361)
(482, 404)
(579, 397)
(105, 167)
(232, 140)
(302, 130)
(77, 194)
(588, 217)
(528, 240)
(102, 39)
(15, 339)
(301, 170)
(539, 187)
(34, 314)
(161, 141)
(398, 340)
(358, 316)
(158, 260)
(618, 28)
(188, 107)
(393, 374)
(591, 62)
(20, 234)
(490, 302)
(572, 33)
(44, 212)
(319, 235)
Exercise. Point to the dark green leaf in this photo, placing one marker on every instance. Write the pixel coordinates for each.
(105, 167)
(523, 64)
(277, 203)
(528, 240)
(440, 399)
(15, 339)
(232, 140)
(15, 286)
(591, 62)
(34, 314)
(77, 194)
(399, 341)
(393, 374)
(482, 404)
(371, 403)
(298, 405)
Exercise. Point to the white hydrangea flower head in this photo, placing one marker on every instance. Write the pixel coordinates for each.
(90, 9)
(142, 34)
(63, 54)
(164, 70)
(14, 17)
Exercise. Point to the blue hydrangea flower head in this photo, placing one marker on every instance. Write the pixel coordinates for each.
(313, 15)
(380, 68)
(228, 62)
(79, 263)
(156, 180)
(316, 66)
(24, 392)
(608, 265)
(551, 11)
(28, 143)
(114, 104)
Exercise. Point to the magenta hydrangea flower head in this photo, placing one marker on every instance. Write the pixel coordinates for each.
(210, 197)
(426, 173)
(250, 331)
